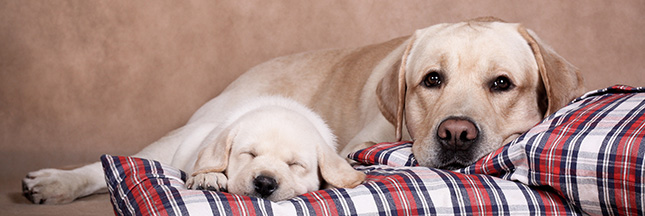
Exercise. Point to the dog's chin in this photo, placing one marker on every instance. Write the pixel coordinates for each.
(453, 166)
(445, 163)
(447, 159)
(450, 160)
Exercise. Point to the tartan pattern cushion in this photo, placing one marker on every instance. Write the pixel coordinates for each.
(585, 158)
(145, 187)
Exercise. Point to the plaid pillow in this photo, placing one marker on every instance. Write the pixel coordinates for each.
(590, 152)
(145, 187)
(586, 158)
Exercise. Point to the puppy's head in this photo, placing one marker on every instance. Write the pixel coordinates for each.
(279, 152)
(467, 88)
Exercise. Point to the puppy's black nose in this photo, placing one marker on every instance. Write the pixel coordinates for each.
(457, 134)
(265, 185)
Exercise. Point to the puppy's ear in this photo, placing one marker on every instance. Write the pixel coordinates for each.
(561, 80)
(214, 157)
(335, 170)
(391, 91)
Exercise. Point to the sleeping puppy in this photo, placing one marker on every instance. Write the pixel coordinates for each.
(271, 148)
(263, 146)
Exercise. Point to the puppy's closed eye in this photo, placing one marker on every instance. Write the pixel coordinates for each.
(296, 165)
(250, 154)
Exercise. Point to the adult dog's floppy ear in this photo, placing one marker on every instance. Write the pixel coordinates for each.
(562, 81)
(391, 91)
(214, 157)
(335, 170)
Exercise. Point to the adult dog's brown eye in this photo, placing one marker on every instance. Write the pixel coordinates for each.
(432, 80)
(501, 83)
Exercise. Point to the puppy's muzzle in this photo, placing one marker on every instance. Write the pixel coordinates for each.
(265, 186)
(457, 134)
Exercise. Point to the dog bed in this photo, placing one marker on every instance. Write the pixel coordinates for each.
(587, 158)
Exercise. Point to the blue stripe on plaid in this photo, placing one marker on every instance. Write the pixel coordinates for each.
(585, 158)
(218, 204)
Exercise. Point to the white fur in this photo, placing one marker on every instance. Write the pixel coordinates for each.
(258, 114)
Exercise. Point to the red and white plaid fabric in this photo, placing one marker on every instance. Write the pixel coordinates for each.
(586, 158)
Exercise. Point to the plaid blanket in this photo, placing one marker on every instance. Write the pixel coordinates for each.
(585, 158)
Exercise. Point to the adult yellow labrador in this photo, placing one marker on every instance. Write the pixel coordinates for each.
(457, 90)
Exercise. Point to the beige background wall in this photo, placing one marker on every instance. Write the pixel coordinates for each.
(83, 78)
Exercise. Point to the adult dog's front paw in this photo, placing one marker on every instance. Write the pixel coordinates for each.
(51, 186)
(208, 181)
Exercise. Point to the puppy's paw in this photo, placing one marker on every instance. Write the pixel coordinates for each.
(51, 186)
(207, 181)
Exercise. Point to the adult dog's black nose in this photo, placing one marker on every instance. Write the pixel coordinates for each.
(265, 185)
(457, 133)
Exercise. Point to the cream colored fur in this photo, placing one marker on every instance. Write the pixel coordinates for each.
(375, 94)
(273, 137)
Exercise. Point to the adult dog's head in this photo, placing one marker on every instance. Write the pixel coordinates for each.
(464, 89)
(277, 149)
